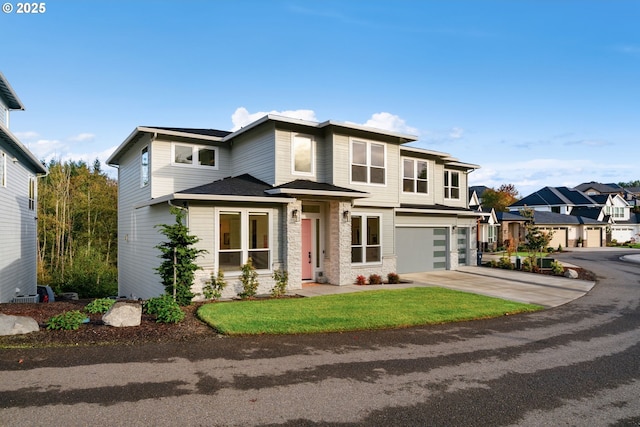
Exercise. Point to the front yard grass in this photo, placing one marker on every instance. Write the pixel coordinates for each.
(383, 309)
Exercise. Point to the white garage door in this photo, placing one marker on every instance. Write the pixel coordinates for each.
(421, 249)
(559, 237)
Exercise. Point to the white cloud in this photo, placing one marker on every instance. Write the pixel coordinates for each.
(22, 136)
(456, 133)
(241, 117)
(83, 137)
(392, 122)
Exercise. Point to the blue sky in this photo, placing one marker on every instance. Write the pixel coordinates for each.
(538, 93)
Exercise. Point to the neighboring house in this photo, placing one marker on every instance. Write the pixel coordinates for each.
(630, 195)
(18, 210)
(579, 218)
(326, 201)
(487, 230)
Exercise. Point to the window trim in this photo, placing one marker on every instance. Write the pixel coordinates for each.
(32, 192)
(195, 149)
(363, 220)
(415, 179)
(3, 173)
(312, 155)
(143, 166)
(244, 237)
(449, 173)
(368, 164)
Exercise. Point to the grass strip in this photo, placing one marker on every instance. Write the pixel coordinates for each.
(382, 309)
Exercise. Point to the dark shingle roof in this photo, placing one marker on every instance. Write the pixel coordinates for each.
(195, 131)
(479, 189)
(305, 184)
(433, 207)
(548, 218)
(556, 196)
(592, 213)
(242, 185)
(599, 187)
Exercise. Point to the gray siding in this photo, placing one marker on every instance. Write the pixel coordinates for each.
(388, 226)
(4, 114)
(254, 153)
(18, 234)
(283, 157)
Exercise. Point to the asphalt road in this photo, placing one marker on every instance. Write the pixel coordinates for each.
(577, 364)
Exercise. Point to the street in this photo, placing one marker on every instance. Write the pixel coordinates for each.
(577, 364)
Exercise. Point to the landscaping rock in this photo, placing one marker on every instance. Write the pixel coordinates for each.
(123, 314)
(16, 325)
(571, 274)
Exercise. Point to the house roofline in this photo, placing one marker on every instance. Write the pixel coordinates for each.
(7, 93)
(319, 193)
(33, 160)
(211, 198)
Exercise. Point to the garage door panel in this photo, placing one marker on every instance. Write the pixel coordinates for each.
(559, 238)
(593, 238)
(421, 249)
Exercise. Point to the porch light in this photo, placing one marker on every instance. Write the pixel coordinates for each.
(345, 215)
(295, 215)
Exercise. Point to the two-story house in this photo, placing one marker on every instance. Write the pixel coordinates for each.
(325, 201)
(18, 210)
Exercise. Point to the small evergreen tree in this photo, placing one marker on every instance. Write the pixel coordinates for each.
(536, 239)
(178, 253)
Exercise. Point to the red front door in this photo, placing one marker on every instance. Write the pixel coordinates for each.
(307, 266)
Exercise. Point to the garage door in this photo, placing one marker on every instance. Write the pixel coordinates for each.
(421, 249)
(593, 238)
(559, 237)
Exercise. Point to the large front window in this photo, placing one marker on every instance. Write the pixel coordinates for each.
(451, 185)
(243, 234)
(365, 239)
(302, 150)
(414, 176)
(194, 155)
(368, 162)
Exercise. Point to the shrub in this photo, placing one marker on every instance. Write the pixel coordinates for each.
(100, 305)
(393, 278)
(361, 280)
(505, 262)
(556, 268)
(282, 280)
(165, 309)
(214, 286)
(529, 264)
(559, 248)
(375, 279)
(69, 320)
(249, 280)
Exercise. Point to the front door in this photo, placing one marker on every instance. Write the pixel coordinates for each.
(307, 245)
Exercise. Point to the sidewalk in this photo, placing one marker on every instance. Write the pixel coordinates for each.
(545, 290)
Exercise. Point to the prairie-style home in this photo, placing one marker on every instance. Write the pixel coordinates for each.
(324, 201)
(18, 210)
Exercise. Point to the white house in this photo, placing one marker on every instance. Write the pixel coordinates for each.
(326, 201)
(19, 169)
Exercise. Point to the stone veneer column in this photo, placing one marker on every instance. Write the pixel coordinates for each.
(293, 229)
(338, 265)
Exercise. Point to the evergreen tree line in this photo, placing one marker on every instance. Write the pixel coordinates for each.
(77, 229)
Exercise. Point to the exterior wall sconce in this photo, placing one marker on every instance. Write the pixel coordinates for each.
(295, 215)
(14, 160)
(345, 215)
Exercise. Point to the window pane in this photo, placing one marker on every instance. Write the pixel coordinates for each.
(183, 154)
(356, 254)
(359, 153)
(446, 178)
(422, 187)
(206, 157)
(260, 259)
(229, 261)
(407, 168)
(359, 173)
(407, 185)
(373, 254)
(302, 154)
(144, 166)
(230, 230)
(258, 231)
(455, 179)
(422, 170)
(377, 155)
(377, 175)
(373, 230)
(356, 230)
(455, 193)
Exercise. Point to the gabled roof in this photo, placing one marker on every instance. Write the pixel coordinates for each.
(556, 196)
(588, 212)
(599, 187)
(8, 95)
(242, 185)
(479, 189)
(312, 188)
(549, 218)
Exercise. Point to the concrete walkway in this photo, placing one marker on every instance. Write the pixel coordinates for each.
(545, 290)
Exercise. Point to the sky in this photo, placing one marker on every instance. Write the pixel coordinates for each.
(538, 93)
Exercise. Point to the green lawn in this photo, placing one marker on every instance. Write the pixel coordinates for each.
(383, 309)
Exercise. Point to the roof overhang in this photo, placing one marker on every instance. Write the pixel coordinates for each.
(11, 140)
(211, 198)
(318, 193)
(430, 211)
(9, 95)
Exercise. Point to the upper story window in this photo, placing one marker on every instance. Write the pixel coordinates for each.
(194, 155)
(144, 167)
(414, 176)
(3, 169)
(368, 162)
(33, 191)
(451, 184)
(302, 155)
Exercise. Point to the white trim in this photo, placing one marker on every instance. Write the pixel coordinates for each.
(195, 150)
(312, 155)
(364, 235)
(450, 186)
(415, 178)
(367, 164)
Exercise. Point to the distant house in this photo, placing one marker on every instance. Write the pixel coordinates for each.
(326, 201)
(19, 169)
(487, 232)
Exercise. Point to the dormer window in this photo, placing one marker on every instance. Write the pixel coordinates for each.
(194, 155)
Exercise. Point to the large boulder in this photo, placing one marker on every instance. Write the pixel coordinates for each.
(15, 325)
(571, 274)
(123, 314)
